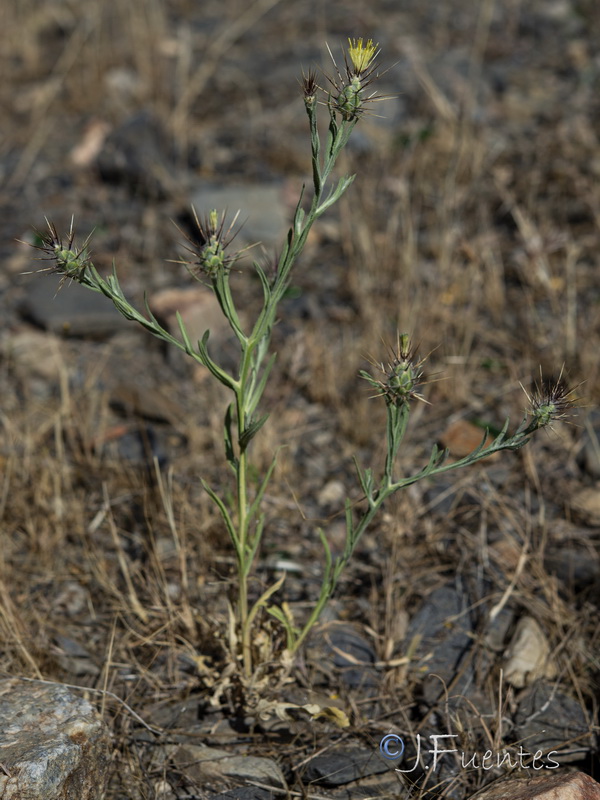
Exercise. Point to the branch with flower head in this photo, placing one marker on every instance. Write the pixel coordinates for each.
(403, 377)
(210, 261)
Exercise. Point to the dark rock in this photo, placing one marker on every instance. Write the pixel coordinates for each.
(142, 446)
(444, 630)
(244, 793)
(549, 720)
(351, 654)
(383, 787)
(589, 456)
(72, 311)
(339, 767)
(149, 402)
(263, 216)
(200, 763)
(575, 568)
(137, 155)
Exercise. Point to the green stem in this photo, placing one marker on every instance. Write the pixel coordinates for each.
(242, 509)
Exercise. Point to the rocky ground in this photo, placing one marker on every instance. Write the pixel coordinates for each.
(471, 608)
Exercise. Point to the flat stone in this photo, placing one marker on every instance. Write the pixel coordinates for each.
(72, 311)
(34, 354)
(150, 402)
(200, 763)
(351, 654)
(263, 212)
(585, 505)
(462, 437)
(340, 767)
(137, 155)
(589, 457)
(53, 744)
(382, 786)
(199, 310)
(551, 721)
(245, 793)
(527, 656)
(575, 567)
(561, 786)
(443, 630)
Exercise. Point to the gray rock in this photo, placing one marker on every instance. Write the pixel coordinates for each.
(245, 793)
(72, 311)
(563, 785)
(549, 720)
(53, 744)
(383, 787)
(443, 628)
(589, 456)
(577, 568)
(340, 767)
(200, 763)
(137, 154)
(34, 354)
(263, 213)
(351, 654)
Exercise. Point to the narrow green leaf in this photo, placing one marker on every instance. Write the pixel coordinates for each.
(184, 334)
(264, 597)
(290, 630)
(257, 391)
(255, 505)
(349, 520)
(229, 451)
(251, 430)
(226, 517)
(205, 359)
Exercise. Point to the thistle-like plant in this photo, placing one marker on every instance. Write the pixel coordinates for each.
(211, 262)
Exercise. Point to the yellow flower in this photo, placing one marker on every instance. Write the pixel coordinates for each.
(362, 55)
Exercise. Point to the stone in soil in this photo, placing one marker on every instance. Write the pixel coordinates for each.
(200, 312)
(585, 505)
(201, 764)
(589, 455)
(339, 767)
(53, 744)
(550, 720)
(34, 354)
(443, 628)
(136, 155)
(351, 655)
(72, 311)
(527, 656)
(561, 786)
(576, 567)
(263, 213)
(245, 793)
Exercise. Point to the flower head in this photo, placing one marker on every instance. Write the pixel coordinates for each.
(403, 374)
(349, 96)
(69, 261)
(550, 402)
(210, 247)
(309, 87)
(362, 55)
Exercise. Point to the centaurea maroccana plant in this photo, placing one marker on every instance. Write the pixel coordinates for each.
(211, 262)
